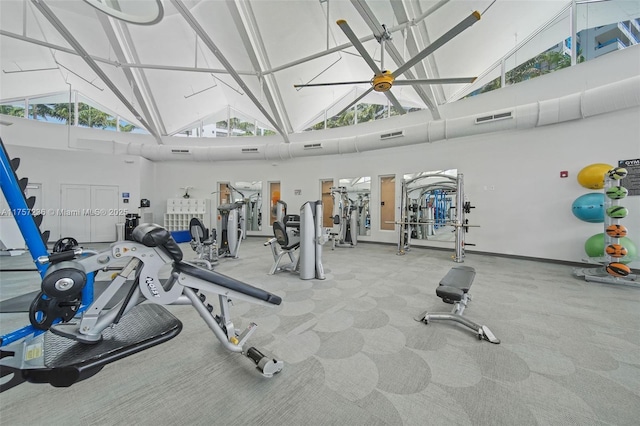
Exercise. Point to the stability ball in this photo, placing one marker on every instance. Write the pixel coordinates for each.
(592, 176)
(589, 207)
(594, 247)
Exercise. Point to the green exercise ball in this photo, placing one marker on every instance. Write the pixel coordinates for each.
(594, 247)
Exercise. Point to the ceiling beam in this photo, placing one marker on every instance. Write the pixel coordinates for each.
(124, 49)
(259, 58)
(413, 49)
(396, 28)
(206, 39)
(376, 27)
(119, 64)
(429, 62)
(64, 32)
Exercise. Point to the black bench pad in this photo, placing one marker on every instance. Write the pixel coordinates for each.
(460, 277)
(448, 293)
(228, 282)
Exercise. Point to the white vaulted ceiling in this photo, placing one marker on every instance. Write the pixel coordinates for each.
(205, 56)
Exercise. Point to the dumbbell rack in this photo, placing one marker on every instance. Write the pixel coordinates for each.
(600, 274)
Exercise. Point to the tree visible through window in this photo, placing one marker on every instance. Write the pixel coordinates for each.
(63, 113)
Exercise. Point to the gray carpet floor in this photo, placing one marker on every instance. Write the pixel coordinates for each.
(353, 354)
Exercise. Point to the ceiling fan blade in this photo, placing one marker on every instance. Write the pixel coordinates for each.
(458, 80)
(463, 25)
(346, 29)
(395, 102)
(331, 84)
(354, 102)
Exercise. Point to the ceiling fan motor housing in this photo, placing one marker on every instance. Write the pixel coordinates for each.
(382, 82)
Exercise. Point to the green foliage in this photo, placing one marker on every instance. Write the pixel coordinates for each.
(88, 116)
(544, 63)
(12, 110)
(366, 112)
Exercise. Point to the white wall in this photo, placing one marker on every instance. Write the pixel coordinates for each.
(527, 214)
(53, 167)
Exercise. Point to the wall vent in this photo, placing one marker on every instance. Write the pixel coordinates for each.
(313, 146)
(392, 135)
(180, 151)
(250, 150)
(494, 117)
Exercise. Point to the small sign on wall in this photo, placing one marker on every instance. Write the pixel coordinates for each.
(632, 180)
(297, 192)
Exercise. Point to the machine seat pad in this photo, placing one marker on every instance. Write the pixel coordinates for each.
(152, 235)
(460, 277)
(446, 292)
(282, 236)
(292, 221)
(228, 282)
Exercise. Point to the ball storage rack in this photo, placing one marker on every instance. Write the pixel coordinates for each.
(600, 274)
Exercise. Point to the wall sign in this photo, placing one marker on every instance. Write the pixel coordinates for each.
(632, 181)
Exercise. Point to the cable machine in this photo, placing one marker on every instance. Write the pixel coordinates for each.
(433, 210)
(345, 219)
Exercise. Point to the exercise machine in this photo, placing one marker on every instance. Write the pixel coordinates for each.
(203, 243)
(433, 209)
(364, 216)
(286, 242)
(254, 212)
(454, 289)
(303, 234)
(231, 223)
(79, 346)
(72, 336)
(345, 219)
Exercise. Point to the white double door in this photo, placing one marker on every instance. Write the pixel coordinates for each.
(89, 213)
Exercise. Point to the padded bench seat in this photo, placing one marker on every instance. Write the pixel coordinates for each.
(228, 282)
(454, 289)
(456, 283)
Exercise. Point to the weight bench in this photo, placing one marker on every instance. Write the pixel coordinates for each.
(454, 289)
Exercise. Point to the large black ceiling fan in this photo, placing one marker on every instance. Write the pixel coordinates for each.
(384, 80)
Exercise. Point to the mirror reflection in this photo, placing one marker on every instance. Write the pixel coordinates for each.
(251, 194)
(429, 205)
(352, 198)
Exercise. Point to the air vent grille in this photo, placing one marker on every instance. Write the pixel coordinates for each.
(313, 146)
(250, 150)
(494, 117)
(392, 135)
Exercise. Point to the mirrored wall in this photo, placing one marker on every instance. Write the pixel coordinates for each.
(352, 197)
(248, 193)
(429, 205)
(251, 194)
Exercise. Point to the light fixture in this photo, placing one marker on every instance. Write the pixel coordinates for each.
(142, 12)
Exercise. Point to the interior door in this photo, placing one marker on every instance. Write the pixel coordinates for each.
(89, 213)
(387, 202)
(75, 220)
(327, 203)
